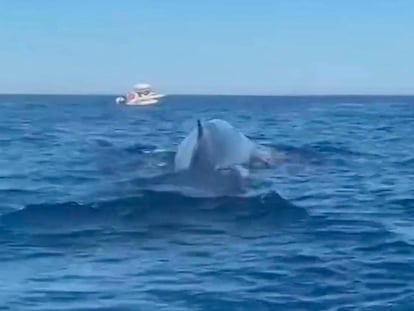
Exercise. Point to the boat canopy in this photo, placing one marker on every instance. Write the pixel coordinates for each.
(142, 86)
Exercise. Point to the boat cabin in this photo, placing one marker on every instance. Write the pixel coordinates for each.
(142, 89)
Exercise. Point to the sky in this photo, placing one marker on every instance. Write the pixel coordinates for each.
(257, 47)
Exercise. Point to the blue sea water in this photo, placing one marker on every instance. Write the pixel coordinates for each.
(87, 223)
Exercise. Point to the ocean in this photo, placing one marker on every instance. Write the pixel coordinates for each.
(87, 221)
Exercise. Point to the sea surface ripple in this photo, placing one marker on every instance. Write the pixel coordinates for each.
(86, 223)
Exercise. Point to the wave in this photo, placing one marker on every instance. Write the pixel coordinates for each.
(159, 196)
(150, 157)
(151, 208)
(315, 154)
(140, 148)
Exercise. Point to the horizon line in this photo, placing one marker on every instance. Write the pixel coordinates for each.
(225, 94)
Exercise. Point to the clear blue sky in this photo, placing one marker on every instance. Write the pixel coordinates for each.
(209, 46)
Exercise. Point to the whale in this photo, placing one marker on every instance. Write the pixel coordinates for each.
(216, 144)
(215, 154)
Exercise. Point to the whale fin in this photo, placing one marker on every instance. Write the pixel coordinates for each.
(199, 129)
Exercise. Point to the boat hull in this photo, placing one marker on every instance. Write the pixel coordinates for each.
(141, 101)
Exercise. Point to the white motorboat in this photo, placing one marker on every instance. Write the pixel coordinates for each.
(141, 95)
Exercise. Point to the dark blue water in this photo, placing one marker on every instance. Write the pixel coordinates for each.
(86, 222)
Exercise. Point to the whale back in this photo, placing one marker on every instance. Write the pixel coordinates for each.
(213, 144)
